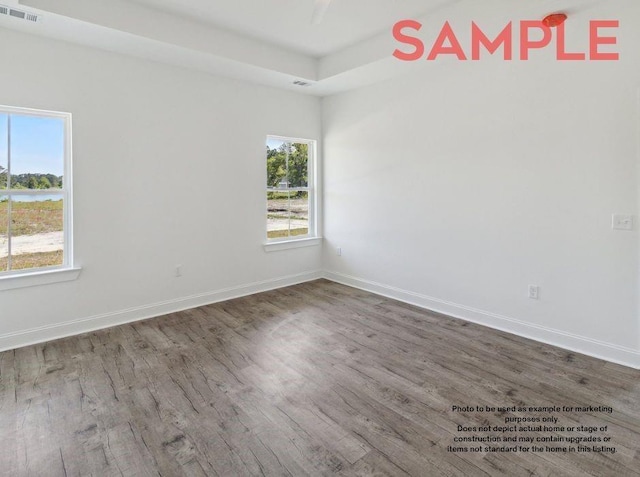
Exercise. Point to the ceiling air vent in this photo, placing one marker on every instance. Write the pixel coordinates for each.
(22, 15)
(301, 83)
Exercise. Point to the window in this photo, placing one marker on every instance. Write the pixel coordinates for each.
(35, 191)
(290, 189)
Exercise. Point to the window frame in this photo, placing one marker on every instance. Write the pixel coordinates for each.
(50, 274)
(311, 238)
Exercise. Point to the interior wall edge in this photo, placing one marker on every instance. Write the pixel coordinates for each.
(22, 338)
(638, 200)
(597, 349)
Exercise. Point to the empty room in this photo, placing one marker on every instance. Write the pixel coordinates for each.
(319, 237)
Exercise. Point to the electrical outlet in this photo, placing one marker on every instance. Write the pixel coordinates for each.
(339, 252)
(178, 271)
(622, 222)
(534, 292)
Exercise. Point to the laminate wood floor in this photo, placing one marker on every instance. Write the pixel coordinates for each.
(314, 379)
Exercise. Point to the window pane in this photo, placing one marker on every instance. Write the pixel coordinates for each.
(276, 163)
(288, 212)
(3, 151)
(297, 167)
(4, 240)
(37, 152)
(277, 214)
(299, 213)
(37, 237)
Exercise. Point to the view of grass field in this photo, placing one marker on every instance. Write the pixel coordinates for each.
(35, 228)
(32, 260)
(285, 233)
(29, 218)
(287, 216)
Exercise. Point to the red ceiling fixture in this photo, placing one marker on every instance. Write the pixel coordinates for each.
(554, 19)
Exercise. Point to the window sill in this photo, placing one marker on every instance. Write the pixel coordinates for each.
(289, 244)
(36, 278)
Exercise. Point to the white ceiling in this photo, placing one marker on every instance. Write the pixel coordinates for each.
(273, 42)
(287, 23)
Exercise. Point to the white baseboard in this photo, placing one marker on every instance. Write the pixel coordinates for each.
(107, 320)
(580, 344)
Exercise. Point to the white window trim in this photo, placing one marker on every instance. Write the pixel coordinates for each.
(67, 271)
(312, 238)
(278, 245)
(39, 276)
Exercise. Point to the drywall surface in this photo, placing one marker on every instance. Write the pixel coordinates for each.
(461, 184)
(169, 170)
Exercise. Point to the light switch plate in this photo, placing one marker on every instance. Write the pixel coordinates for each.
(622, 222)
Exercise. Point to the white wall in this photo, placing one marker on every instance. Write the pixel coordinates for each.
(169, 169)
(454, 188)
(461, 184)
